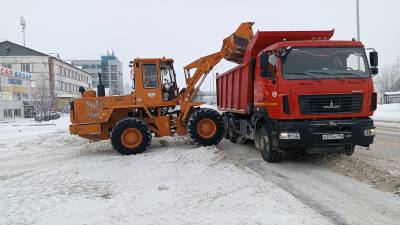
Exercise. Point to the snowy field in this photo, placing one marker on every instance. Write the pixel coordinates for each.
(50, 177)
(388, 112)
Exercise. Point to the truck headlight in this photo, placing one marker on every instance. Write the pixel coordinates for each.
(289, 135)
(369, 132)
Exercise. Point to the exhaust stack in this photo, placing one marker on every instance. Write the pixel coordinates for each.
(100, 88)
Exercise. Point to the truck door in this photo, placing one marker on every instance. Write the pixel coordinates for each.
(265, 85)
(151, 84)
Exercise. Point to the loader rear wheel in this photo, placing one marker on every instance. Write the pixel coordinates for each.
(205, 127)
(130, 136)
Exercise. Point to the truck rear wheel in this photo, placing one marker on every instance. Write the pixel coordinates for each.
(205, 127)
(130, 136)
(265, 146)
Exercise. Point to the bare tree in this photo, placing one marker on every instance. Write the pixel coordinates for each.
(43, 97)
(389, 79)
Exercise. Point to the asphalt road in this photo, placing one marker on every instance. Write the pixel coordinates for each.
(360, 189)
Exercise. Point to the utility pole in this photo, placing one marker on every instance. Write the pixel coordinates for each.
(22, 22)
(358, 27)
(358, 19)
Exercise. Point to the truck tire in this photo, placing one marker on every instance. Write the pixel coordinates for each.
(233, 135)
(130, 136)
(226, 116)
(351, 151)
(206, 127)
(265, 146)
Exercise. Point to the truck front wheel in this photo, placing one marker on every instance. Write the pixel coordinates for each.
(265, 146)
(205, 127)
(130, 136)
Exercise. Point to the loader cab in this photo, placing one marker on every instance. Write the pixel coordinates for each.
(154, 80)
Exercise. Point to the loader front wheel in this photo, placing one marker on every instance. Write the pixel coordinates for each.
(205, 127)
(130, 136)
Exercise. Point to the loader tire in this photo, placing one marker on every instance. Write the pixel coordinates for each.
(130, 136)
(265, 146)
(206, 127)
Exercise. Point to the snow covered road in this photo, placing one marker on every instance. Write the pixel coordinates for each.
(348, 190)
(50, 177)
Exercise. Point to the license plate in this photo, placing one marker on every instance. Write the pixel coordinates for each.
(332, 136)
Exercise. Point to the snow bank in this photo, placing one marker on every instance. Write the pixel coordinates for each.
(388, 112)
(54, 178)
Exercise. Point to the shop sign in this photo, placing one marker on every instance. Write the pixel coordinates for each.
(9, 72)
(14, 81)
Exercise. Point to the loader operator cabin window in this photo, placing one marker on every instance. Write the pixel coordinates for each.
(324, 63)
(168, 79)
(149, 75)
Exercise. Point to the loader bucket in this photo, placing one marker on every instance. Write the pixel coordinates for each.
(235, 45)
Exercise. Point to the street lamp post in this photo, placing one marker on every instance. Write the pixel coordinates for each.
(358, 19)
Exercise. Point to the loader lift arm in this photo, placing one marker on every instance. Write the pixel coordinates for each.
(233, 49)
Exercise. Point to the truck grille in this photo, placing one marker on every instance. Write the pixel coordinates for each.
(329, 104)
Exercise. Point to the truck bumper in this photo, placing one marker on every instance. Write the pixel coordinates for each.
(312, 133)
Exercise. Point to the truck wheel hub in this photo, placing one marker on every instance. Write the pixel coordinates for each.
(131, 137)
(206, 128)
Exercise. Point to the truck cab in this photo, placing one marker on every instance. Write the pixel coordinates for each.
(302, 91)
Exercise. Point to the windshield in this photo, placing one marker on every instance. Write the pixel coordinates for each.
(324, 63)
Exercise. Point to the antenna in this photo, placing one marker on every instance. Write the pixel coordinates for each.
(22, 22)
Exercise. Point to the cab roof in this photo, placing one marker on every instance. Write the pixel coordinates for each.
(163, 59)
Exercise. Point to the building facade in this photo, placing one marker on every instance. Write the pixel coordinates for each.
(62, 78)
(14, 93)
(110, 69)
(91, 66)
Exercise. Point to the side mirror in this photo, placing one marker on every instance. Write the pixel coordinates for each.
(264, 61)
(374, 70)
(266, 74)
(373, 59)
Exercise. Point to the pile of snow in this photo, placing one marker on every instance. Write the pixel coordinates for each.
(388, 112)
(50, 177)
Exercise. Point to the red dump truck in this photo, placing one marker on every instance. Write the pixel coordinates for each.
(300, 91)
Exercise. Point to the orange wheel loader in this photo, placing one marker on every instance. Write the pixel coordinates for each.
(156, 105)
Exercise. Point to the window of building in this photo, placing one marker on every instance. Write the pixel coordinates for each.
(17, 112)
(25, 67)
(113, 76)
(17, 96)
(8, 50)
(7, 96)
(6, 65)
(64, 73)
(8, 113)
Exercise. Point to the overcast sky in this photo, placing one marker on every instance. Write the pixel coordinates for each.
(186, 30)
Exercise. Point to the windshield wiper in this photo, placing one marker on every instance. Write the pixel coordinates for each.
(323, 72)
(305, 74)
(348, 73)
